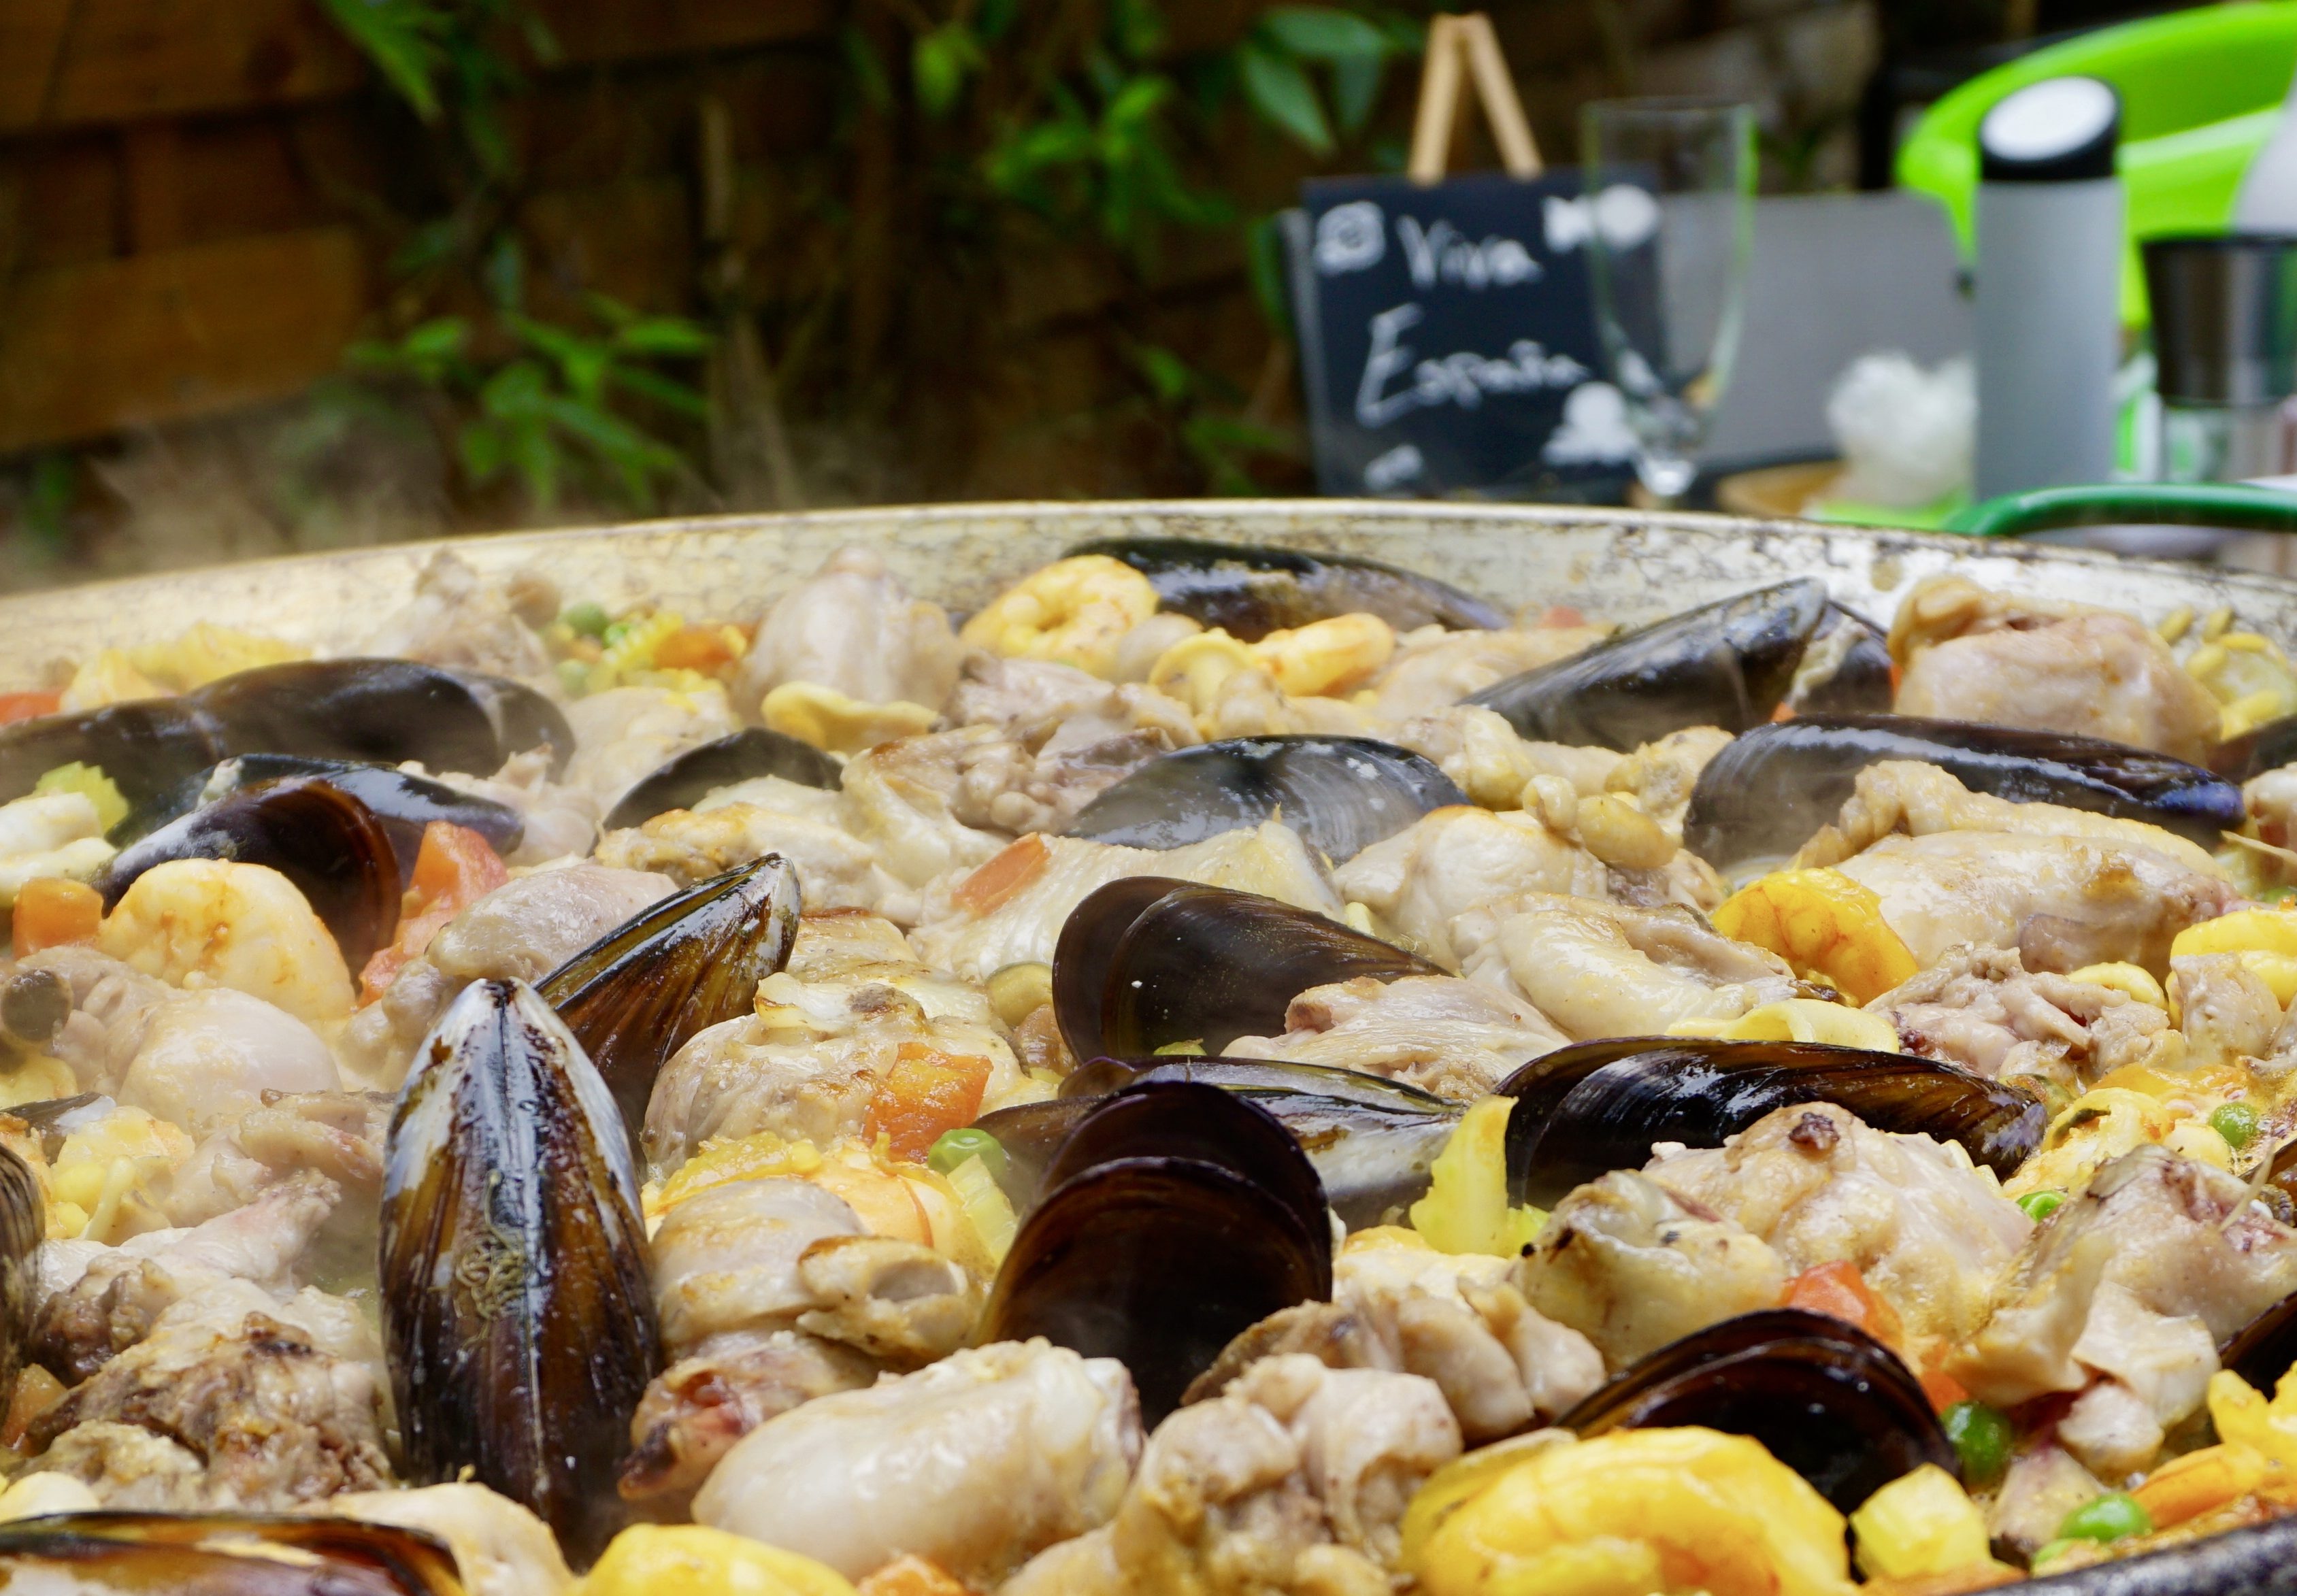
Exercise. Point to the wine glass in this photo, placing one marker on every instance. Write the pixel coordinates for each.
(1671, 194)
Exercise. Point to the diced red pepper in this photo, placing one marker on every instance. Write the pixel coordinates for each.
(50, 911)
(28, 706)
(999, 878)
(1841, 1292)
(454, 868)
(923, 1095)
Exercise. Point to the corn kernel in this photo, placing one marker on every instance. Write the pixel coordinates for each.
(692, 1560)
(1920, 1523)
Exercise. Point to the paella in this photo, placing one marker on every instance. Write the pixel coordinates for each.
(1223, 1070)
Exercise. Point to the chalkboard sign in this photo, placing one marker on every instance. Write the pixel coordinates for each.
(1447, 335)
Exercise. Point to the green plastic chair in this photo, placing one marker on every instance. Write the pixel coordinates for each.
(2200, 91)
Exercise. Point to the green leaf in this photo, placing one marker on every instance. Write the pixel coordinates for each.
(939, 63)
(1264, 259)
(1321, 32)
(504, 272)
(517, 390)
(677, 396)
(995, 17)
(1168, 375)
(1137, 29)
(400, 37)
(669, 336)
(1355, 90)
(426, 247)
(437, 340)
(483, 449)
(1281, 92)
(870, 73)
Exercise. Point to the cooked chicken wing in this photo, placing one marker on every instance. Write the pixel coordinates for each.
(624, 735)
(500, 1549)
(1981, 1009)
(852, 628)
(1433, 668)
(1457, 1039)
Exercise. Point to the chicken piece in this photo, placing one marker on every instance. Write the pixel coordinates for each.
(1451, 861)
(1907, 798)
(2156, 1237)
(1481, 751)
(521, 931)
(1292, 1482)
(976, 934)
(1433, 668)
(1966, 653)
(338, 1134)
(694, 1411)
(977, 1462)
(828, 1028)
(95, 1303)
(458, 619)
(1054, 709)
(726, 1259)
(273, 1420)
(900, 799)
(214, 1054)
(900, 1301)
(111, 1009)
(836, 869)
(2227, 1012)
(1604, 969)
(624, 735)
(852, 628)
(129, 1469)
(2271, 800)
(52, 835)
(561, 820)
(2043, 1485)
(1247, 702)
(1457, 1039)
(1632, 1266)
(1980, 1007)
(1930, 1232)
(500, 1548)
(1456, 1318)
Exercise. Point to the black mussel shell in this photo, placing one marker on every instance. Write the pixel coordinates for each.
(225, 1554)
(2254, 752)
(1133, 973)
(1728, 664)
(144, 746)
(685, 779)
(2263, 1350)
(1372, 1141)
(368, 711)
(1341, 793)
(1250, 590)
(321, 839)
(1187, 1119)
(1585, 1110)
(518, 1319)
(1826, 1399)
(1160, 1260)
(23, 1225)
(1770, 790)
(640, 992)
(403, 802)
(1846, 670)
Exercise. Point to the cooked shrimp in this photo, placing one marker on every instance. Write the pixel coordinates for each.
(244, 927)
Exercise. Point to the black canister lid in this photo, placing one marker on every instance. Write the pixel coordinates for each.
(2225, 317)
(2060, 130)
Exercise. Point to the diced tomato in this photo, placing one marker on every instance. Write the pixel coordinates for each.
(50, 911)
(704, 648)
(454, 868)
(923, 1095)
(28, 706)
(1943, 1389)
(1560, 614)
(998, 879)
(1785, 712)
(1841, 1292)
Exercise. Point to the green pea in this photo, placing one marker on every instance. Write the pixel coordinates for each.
(2040, 1204)
(2113, 1516)
(953, 1147)
(1982, 1436)
(2049, 1552)
(2236, 1123)
(574, 676)
(614, 633)
(589, 619)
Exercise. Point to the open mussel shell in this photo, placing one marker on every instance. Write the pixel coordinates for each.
(404, 803)
(23, 1225)
(518, 1319)
(1728, 664)
(1156, 1258)
(383, 711)
(640, 992)
(225, 1554)
(685, 779)
(1846, 670)
(1341, 793)
(1585, 1110)
(1826, 1399)
(1136, 970)
(1249, 591)
(318, 836)
(2254, 752)
(1769, 790)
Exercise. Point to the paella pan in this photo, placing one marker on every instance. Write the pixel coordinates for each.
(1266, 1049)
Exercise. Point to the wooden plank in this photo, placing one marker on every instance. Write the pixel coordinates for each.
(123, 60)
(31, 35)
(87, 350)
(152, 155)
(588, 31)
